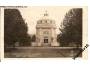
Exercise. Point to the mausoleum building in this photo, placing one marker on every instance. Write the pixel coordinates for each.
(46, 32)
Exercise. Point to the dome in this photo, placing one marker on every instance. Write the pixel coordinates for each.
(45, 22)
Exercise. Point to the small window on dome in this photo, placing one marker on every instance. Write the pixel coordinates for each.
(41, 21)
(50, 21)
(45, 21)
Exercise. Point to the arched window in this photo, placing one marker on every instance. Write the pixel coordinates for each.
(45, 21)
(45, 32)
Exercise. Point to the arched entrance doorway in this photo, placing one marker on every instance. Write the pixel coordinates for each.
(46, 41)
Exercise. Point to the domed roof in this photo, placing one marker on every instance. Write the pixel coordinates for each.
(45, 22)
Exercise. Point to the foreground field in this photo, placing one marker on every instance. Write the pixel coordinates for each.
(41, 52)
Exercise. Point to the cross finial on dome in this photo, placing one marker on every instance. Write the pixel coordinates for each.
(46, 14)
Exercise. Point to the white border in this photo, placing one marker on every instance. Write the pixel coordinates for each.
(47, 64)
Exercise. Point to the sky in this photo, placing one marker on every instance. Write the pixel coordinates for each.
(34, 13)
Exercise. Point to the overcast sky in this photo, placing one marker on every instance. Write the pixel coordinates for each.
(34, 13)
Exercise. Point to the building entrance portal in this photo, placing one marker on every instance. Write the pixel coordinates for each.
(46, 42)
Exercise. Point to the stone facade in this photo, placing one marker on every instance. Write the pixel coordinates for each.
(46, 32)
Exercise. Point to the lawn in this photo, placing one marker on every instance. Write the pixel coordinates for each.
(41, 52)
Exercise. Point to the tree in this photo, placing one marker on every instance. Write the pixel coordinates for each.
(71, 28)
(15, 29)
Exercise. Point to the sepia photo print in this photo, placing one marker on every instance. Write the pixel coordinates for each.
(43, 32)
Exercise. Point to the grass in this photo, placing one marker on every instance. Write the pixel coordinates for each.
(36, 52)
